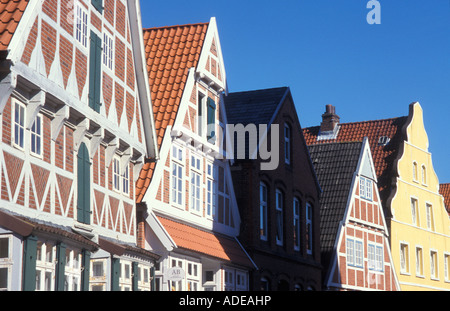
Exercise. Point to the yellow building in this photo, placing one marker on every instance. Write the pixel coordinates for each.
(420, 224)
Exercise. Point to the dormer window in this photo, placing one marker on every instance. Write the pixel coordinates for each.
(383, 141)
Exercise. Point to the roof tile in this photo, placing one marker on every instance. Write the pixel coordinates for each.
(11, 13)
(444, 190)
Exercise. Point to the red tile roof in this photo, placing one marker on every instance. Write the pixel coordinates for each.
(383, 155)
(444, 190)
(11, 12)
(170, 52)
(204, 242)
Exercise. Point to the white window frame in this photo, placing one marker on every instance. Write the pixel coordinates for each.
(193, 276)
(430, 216)
(287, 143)
(177, 181)
(7, 262)
(263, 211)
(309, 228)
(434, 264)
(108, 50)
(419, 261)
(126, 276)
(116, 173)
(177, 285)
(415, 211)
(447, 267)
(45, 267)
(296, 211)
(97, 281)
(36, 136)
(19, 124)
(210, 191)
(229, 279)
(415, 172)
(225, 196)
(279, 209)
(81, 19)
(241, 281)
(73, 270)
(196, 184)
(355, 252)
(126, 180)
(404, 258)
(371, 261)
(424, 174)
(366, 188)
(144, 277)
(379, 258)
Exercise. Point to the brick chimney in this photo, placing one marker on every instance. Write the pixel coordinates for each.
(329, 119)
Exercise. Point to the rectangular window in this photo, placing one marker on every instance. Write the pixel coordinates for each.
(447, 267)
(116, 174)
(177, 175)
(144, 278)
(355, 253)
(414, 212)
(371, 256)
(81, 18)
(279, 216)
(108, 50)
(72, 271)
(350, 252)
(45, 267)
(263, 211)
(434, 264)
(287, 144)
(419, 261)
(125, 280)
(126, 181)
(196, 184)
(379, 258)
(430, 217)
(309, 228)
(365, 188)
(241, 281)
(19, 124)
(5, 262)
(404, 258)
(359, 257)
(224, 213)
(296, 224)
(36, 136)
(210, 190)
(193, 276)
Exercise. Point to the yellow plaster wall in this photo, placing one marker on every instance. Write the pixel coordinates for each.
(415, 149)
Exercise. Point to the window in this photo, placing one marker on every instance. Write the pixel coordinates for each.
(19, 124)
(365, 188)
(265, 284)
(144, 278)
(419, 261)
(296, 224)
(446, 267)
(379, 258)
(45, 267)
(404, 258)
(81, 18)
(263, 211)
(5, 262)
(176, 285)
(228, 280)
(355, 253)
(177, 175)
(84, 185)
(430, 217)
(36, 136)
(287, 144)
(375, 257)
(434, 264)
(95, 62)
(195, 184)
(415, 171)
(98, 275)
(414, 212)
(116, 174)
(125, 280)
(108, 49)
(371, 256)
(309, 228)
(126, 180)
(241, 281)
(224, 214)
(424, 175)
(279, 216)
(72, 271)
(193, 276)
(210, 190)
(211, 118)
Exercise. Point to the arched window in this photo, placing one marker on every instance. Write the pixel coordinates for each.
(424, 175)
(415, 171)
(296, 224)
(309, 228)
(287, 144)
(279, 216)
(84, 185)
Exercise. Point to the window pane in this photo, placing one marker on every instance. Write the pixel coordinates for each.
(3, 278)
(4, 247)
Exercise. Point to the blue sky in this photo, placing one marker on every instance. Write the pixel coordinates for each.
(327, 53)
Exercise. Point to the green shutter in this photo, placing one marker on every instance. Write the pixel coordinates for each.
(115, 274)
(60, 277)
(135, 276)
(153, 279)
(211, 119)
(29, 264)
(85, 274)
(98, 5)
(95, 63)
(84, 186)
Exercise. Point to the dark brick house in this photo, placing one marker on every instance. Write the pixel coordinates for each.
(279, 205)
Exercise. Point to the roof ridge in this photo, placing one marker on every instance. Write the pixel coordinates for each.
(359, 122)
(338, 142)
(175, 26)
(260, 90)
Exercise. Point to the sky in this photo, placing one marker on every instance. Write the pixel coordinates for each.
(327, 53)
